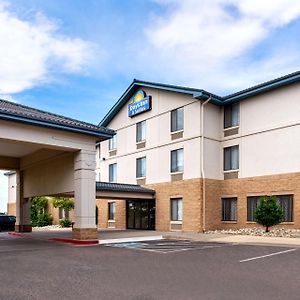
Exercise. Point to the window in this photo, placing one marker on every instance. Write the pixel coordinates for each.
(177, 119)
(229, 209)
(112, 173)
(141, 131)
(286, 203)
(113, 143)
(177, 160)
(231, 115)
(176, 209)
(141, 167)
(231, 158)
(63, 213)
(111, 210)
(252, 203)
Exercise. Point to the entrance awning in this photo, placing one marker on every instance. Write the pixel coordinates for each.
(108, 190)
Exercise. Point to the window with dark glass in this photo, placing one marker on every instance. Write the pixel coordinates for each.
(113, 143)
(141, 131)
(231, 115)
(286, 203)
(177, 160)
(231, 158)
(111, 210)
(252, 203)
(229, 209)
(176, 209)
(112, 173)
(177, 119)
(141, 167)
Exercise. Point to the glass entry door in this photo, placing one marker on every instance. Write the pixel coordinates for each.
(140, 215)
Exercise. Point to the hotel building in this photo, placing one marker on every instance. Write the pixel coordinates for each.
(187, 159)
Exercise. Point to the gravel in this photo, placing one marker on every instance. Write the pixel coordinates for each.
(276, 232)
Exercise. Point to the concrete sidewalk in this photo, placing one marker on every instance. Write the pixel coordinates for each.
(66, 233)
(230, 238)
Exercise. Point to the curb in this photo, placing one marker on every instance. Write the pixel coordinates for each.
(131, 239)
(75, 242)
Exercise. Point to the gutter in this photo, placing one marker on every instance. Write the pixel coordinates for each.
(202, 160)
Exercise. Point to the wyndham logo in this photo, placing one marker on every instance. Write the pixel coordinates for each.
(139, 103)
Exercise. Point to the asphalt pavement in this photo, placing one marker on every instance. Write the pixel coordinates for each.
(33, 268)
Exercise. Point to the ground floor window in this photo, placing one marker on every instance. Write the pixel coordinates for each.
(229, 209)
(285, 201)
(111, 210)
(63, 213)
(252, 203)
(176, 209)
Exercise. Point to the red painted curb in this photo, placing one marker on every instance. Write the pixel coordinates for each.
(75, 242)
(17, 234)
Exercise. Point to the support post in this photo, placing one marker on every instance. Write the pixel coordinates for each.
(23, 218)
(85, 195)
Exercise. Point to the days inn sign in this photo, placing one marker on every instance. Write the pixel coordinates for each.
(139, 103)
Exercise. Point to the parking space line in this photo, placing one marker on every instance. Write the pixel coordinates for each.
(267, 255)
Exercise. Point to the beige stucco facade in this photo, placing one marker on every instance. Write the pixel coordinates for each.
(267, 132)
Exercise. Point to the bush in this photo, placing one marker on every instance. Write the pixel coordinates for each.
(268, 212)
(39, 216)
(44, 219)
(65, 223)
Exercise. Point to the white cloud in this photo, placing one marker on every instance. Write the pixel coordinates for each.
(32, 50)
(207, 42)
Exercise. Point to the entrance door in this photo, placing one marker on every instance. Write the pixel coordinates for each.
(140, 215)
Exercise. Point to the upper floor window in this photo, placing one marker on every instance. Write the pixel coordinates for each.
(113, 143)
(141, 131)
(141, 167)
(231, 158)
(177, 119)
(112, 177)
(177, 160)
(231, 115)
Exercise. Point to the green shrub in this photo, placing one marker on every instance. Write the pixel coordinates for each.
(268, 212)
(39, 216)
(65, 223)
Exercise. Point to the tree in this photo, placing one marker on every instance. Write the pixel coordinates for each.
(268, 212)
(39, 216)
(66, 204)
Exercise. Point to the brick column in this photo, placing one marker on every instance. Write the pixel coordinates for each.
(23, 217)
(85, 195)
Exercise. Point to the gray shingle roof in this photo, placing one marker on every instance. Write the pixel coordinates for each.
(21, 113)
(122, 187)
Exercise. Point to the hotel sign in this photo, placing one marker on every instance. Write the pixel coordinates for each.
(139, 103)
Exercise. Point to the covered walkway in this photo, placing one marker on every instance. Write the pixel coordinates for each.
(52, 155)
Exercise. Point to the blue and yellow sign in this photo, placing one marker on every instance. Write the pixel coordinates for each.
(139, 103)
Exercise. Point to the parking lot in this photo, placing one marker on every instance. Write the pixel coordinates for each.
(166, 269)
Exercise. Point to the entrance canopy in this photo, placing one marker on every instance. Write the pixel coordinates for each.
(123, 191)
(51, 155)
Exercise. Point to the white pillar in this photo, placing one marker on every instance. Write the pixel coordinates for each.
(23, 217)
(85, 195)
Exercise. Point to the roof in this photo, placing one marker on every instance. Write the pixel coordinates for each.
(122, 187)
(11, 111)
(201, 94)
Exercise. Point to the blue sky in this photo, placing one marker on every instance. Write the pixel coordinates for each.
(76, 57)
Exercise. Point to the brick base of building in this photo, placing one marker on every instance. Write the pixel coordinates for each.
(85, 233)
(23, 228)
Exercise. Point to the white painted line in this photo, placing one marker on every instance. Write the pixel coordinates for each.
(263, 256)
(131, 239)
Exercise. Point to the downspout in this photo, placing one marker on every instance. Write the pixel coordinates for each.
(202, 160)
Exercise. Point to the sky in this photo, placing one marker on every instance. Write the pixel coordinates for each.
(77, 57)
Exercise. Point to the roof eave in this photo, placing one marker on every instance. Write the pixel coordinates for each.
(29, 121)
